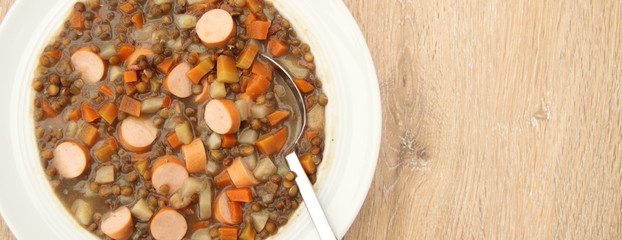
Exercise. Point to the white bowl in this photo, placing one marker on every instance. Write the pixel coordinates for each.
(32, 210)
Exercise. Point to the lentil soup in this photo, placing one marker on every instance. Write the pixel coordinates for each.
(156, 119)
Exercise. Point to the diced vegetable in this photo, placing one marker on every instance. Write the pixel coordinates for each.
(265, 168)
(248, 233)
(107, 51)
(105, 152)
(185, 21)
(316, 118)
(258, 30)
(106, 91)
(228, 233)
(174, 141)
(304, 86)
(214, 141)
(83, 211)
(190, 2)
(307, 164)
(277, 117)
(130, 106)
(200, 70)
(89, 114)
(127, 8)
(130, 76)
(290, 63)
(251, 161)
(218, 90)
(242, 106)
(260, 111)
(105, 174)
(159, 2)
(228, 141)
(89, 134)
(109, 112)
(254, 5)
(277, 48)
(211, 168)
(125, 51)
(176, 45)
(247, 57)
(262, 69)
(259, 220)
(54, 54)
(190, 187)
(166, 66)
(76, 20)
(250, 18)
(226, 70)
(138, 20)
(310, 134)
(201, 234)
(142, 211)
(184, 132)
(240, 194)
(152, 105)
(205, 202)
(257, 86)
(115, 73)
(72, 129)
(273, 143)
(222, 179)
(240, 174)
(248, 136)
(226, 211)
(47, 108)
(144, 34)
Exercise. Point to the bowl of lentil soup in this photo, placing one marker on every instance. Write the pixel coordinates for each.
(343, 177)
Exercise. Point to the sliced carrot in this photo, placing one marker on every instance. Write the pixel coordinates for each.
(174, 141)
(130, 88)
(200, 224)
(54, 54)
(258, 30)
(307, 164)
(76, 21)
(249, 19)
(276, 117)
(89, 134)
(198, 72)
(222, 179)
(226, 71)
(304, 86)
(167, 101)
(89, 114)
(240, 194)
(204, 95)
(257, 85)
(247, 57)
(228, 141)
(139, 157)
(130, 76)
(226, 211)
(166, 66)
(228, 233)
(254, 5)
(280, 138)
(277, 48)
(272, 143)
(310, 134)
(74, 115)
(125, 51)
(113, 142)
(127, 8)
(241, 175)
(106, 91)
(47, 108)
(109, 112)
(194, 54)
(130, 106)
(138, 20)
(262, 69)
(105, 152)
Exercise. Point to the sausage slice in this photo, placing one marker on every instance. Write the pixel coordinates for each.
(90, 66)
(215, 28)
(168, 224)
(169, 171)
(70, 159)
(194, 154)
(137, 134)
(118, 224)
(177, 83)
(222, 116)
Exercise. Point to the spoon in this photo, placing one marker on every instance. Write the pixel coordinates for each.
(304, 185)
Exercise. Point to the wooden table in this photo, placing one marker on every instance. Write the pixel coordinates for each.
(501, 119)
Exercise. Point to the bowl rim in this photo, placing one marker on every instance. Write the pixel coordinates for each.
(13, 173)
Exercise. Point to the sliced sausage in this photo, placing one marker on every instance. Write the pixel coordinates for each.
(215, 28)
(194, 154)
(118, 224)
(137, 134)
(241, 175)
(227, 211)
(222, 116)
(204, 95)
(177, 82)
(70, 159)
(168, 171)
(90, 66)
(168, 224)
(136, 54)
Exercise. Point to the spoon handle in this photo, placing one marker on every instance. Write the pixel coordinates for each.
(311, 201)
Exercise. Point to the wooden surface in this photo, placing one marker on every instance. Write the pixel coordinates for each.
(501, 119)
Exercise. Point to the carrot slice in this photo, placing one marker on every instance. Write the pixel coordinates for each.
(247, 57)
(127, 8)
(204, 95)
(228, 233)
(174, 141)
(106, 91)
(272, 143)
(166, 66)
(226, 211)
(54, 54)
(226, 71)
(89, 114)
(257, 85)
(280, 138)
(240, 174)
(262, 69)
(200, 224)
(307, 164)
(310, 134)
(254, 5)
(167, 102)
(304, 86)
(130, 88)
(277, 48)
(109, 112)
(47, 108)
(76, 21)
(240, 194)
(228, 141)
(130, 106)
(89, 135)
(222, 179)
(105, 152)
(138, 20)
(249, 19)
(196, 73)
(276, 117)
(74, 115)
(125, 51)
(258, 30)
(130, 76)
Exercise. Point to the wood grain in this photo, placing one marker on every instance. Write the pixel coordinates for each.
(501, 119)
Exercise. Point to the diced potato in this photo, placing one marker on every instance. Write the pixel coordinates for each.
(205, 202)
(142, 211)
(105, 174)
(316, 118)
(184, 132)
(259, 220)
(190, 2)
(251, 161)
(115, 73)
(175, 45)
(242, 108)
(107, 51)
(212, 168)
(265, 168)
(82, 211)
(218, 90)
(185, 21)
(248, 136)
(260, 111)
(248, 233)
(71, 130)
(191, 186)
(201, 234)
(214, 141)
(162, 1)
(144, 34)
(177, 201)
(151, 105)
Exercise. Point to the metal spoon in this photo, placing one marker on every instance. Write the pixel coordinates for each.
(304, 185)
